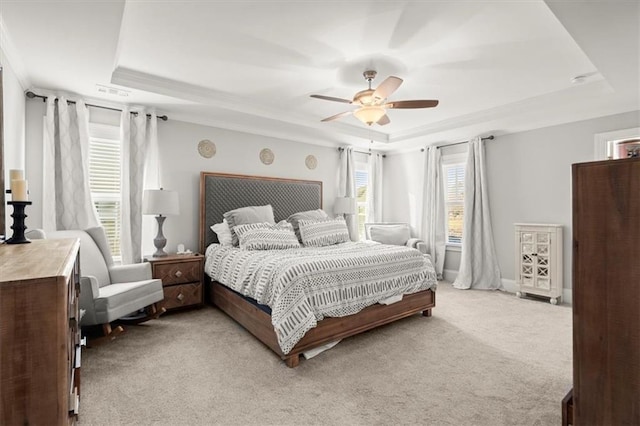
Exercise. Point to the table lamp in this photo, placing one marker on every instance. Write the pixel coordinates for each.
(344, 206)
(161, 203)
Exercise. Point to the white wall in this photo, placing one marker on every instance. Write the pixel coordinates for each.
(529, 178)
(236, 153)
(180, 167)
(14, 125)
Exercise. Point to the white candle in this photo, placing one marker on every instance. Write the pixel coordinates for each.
(18, 190)
(16, 174)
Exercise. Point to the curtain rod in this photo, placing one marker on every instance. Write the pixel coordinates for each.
(32, 95)
(340, 149)
(491, 137)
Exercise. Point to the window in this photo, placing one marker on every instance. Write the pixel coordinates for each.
(362, 181)
(105, 152)
(453, 171)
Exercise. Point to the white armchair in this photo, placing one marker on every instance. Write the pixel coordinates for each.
(109, 292)
(394, 233)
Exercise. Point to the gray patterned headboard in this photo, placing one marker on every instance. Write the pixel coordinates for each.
(220, 193)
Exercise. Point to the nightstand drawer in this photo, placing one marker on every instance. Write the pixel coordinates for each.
(177, 272)
(177, 296)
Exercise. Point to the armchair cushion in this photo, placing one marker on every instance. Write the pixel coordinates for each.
(118, 300)
(92, 262)
(418, 244)
(394, 234)
(129, 273)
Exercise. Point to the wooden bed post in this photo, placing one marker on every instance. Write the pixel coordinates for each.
(292, 361)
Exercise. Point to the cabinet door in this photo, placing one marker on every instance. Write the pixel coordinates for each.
(542, 260)
(527, 258)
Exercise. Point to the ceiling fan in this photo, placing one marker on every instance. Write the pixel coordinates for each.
(373, 103)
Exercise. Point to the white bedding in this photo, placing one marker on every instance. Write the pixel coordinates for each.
(304, 285)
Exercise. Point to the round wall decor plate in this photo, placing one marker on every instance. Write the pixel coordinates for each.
(206, 148)
(267, 156)
(311, 161)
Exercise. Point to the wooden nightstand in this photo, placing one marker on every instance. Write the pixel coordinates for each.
(181, 277)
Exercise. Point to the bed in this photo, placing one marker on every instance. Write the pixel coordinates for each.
(220, 193)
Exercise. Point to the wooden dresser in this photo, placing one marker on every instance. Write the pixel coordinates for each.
(182, 279)
(39, 333)
(606, 293)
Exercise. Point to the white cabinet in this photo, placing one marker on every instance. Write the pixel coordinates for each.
(539, 260)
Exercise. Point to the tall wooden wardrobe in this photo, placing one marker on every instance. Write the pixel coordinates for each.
(606, 293)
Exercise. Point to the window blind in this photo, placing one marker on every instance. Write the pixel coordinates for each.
(362, 182)
(454, 200)
(104, 181)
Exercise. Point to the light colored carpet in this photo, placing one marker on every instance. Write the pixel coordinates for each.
(484, 358)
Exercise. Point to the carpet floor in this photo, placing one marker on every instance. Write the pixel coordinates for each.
(483, 358)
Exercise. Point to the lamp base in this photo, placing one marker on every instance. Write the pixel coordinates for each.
(160, 241)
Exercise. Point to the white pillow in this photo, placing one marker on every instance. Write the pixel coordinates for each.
(396, 235)
(223, 232)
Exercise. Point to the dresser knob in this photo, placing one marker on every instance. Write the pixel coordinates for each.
(178, 274)
(180, 297)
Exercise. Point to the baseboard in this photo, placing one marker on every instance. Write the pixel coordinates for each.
(508, 285)
(449, 275)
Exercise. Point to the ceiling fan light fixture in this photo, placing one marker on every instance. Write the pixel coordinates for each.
(369, 114)
(364, 97)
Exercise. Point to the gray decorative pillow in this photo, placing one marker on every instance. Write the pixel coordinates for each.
(396, 235)
(295, 218)
(319, 233)
(264, 236)
(245, 215)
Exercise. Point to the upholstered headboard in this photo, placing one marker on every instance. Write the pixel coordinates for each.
(220, 193)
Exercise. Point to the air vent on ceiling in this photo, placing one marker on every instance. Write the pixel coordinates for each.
(112, 91)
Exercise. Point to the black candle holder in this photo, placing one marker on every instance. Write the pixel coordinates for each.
(18, 222)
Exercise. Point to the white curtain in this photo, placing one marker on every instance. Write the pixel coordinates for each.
(374, 188)
(478, 264)
(347, 187)
(138, 133)
(66, 194)
(433, 221)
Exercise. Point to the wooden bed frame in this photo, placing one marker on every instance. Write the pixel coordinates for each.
(258, 322)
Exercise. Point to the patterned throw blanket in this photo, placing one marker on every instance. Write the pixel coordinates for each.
(302, 286)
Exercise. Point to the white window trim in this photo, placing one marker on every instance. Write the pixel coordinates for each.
(448, 159)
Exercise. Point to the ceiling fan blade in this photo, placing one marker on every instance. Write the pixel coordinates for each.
(387, 87)
(335, 117)
(331, 98)
(421, 103)
(384, 120)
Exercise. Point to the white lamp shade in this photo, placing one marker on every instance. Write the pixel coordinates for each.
(160, 201)
(369, 114)
(345, 205)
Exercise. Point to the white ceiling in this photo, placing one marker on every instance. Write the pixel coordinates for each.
(495, 66)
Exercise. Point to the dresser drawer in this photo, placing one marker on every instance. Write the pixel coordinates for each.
(177, 272)
(177, 296)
